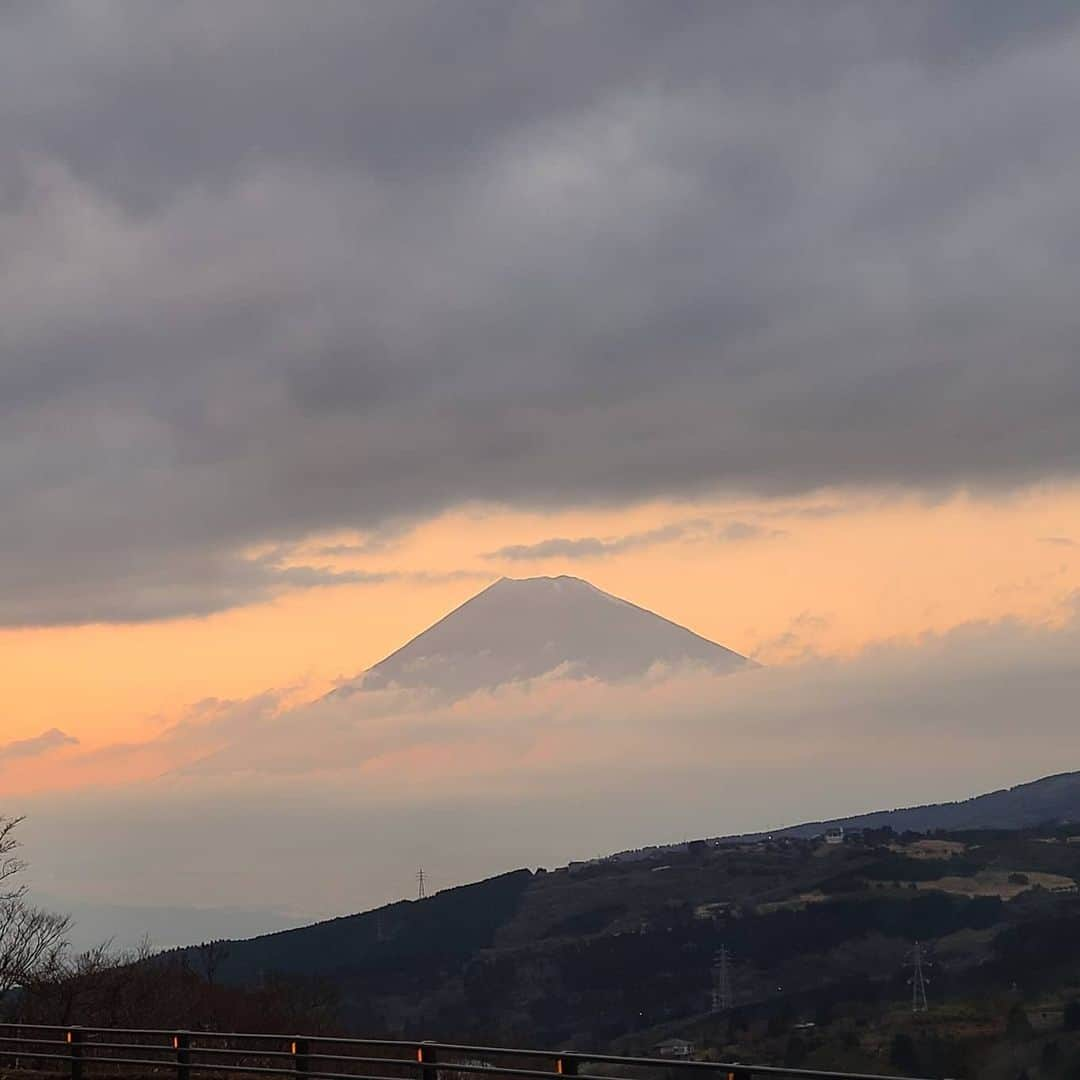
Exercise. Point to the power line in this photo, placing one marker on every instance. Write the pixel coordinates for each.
(420, 893)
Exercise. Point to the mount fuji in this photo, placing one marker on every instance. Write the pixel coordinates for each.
(519, 629)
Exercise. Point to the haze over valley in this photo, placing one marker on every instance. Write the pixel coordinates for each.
(542, 721)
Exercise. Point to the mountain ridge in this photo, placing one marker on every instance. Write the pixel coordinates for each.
(1048, 799)
(558, 957)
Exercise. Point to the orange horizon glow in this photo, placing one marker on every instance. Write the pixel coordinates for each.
(828, 576)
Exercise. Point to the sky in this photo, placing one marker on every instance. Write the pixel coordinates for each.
(317, 321)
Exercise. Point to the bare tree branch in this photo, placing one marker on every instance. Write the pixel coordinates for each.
(10, 864)
(32, 940)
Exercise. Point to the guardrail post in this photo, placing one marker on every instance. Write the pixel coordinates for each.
(428, 1057)
(565, 1065)
(301, 1058)
(182, 1045)
(75, 1051)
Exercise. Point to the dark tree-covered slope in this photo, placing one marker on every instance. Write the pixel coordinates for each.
(1052, 799)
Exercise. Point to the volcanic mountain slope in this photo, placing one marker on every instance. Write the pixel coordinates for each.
(522, 628)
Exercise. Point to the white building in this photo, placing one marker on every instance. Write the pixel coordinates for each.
(675, 1048)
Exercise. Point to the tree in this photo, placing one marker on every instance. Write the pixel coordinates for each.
(1017, 1025)
(1051, 1057)
(1072, 1015)
(32, 941)
(212, 954)
(796, 1051)
(902, 1053)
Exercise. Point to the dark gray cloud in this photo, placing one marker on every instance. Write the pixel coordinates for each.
(133, 585)
(44, 743)
(266, 270)
(129, 585)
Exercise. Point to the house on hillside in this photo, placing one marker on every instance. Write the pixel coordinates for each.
(675, 1048)
(588, 864)
(834, 835)
(716, 910)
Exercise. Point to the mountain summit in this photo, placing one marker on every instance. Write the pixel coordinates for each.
(523, 628)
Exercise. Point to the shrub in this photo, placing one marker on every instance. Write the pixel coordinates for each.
(1072, 1015)
(902, 1053)
(1051, 1056)
(796, 1051)
(1018, 1025)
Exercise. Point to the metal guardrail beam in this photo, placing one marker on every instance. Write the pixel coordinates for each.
(78, 1053)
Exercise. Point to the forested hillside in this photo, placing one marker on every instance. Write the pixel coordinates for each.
(615, 953)
(1051, 799)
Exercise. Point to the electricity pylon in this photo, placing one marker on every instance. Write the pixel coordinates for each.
(721, 988)
(918, 980)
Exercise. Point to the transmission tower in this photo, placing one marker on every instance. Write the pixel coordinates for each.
(721, 981)
(917, 961)
(420, 893)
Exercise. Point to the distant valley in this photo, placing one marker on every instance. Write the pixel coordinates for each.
(617, 951)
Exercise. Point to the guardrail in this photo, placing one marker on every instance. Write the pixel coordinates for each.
(86, 1053)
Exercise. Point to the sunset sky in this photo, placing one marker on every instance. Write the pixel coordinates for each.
(780, 580)
(318, 319)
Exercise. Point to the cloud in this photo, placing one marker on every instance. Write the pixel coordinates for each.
(735, 531)
(593, 547)
(311, 280)
(556, 769)
(132, 587)
(968, 684)
(368, 547)
(39, 745)
(813, 512)
(796, 642)
(1058, 541)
